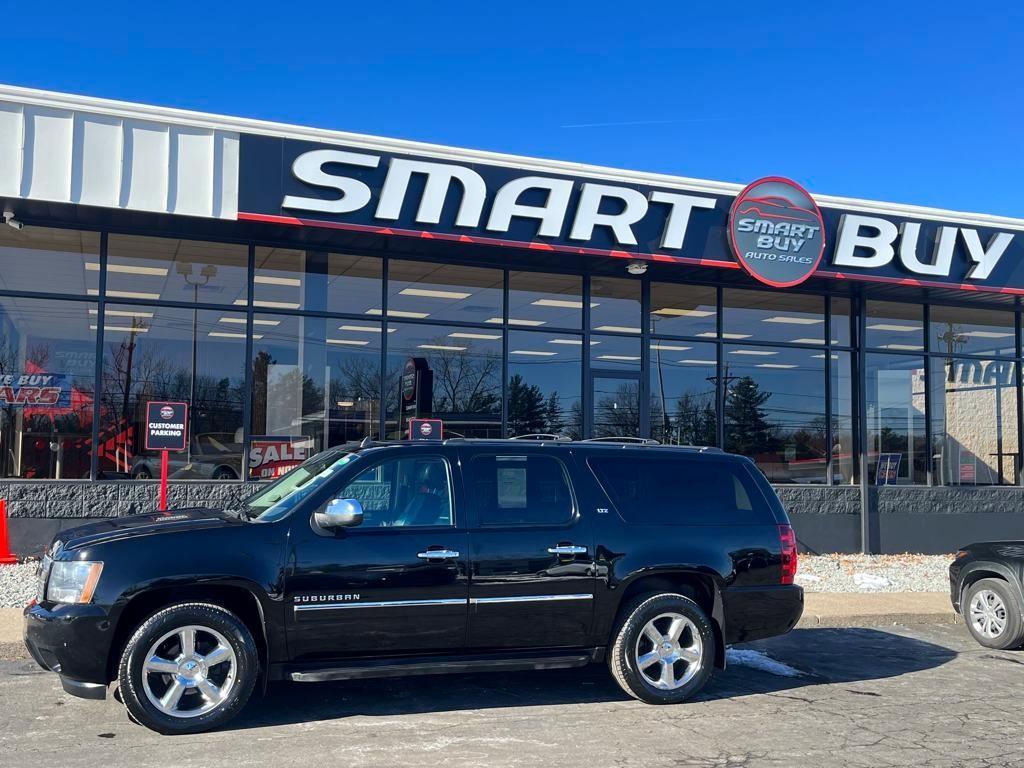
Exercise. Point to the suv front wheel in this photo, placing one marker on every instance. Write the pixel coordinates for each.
(188, 668)
(663, 650)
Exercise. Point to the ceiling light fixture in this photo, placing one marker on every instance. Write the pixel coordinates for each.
(787, 320)
(432, 294)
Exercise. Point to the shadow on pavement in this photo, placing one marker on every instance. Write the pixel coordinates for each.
(822, 656)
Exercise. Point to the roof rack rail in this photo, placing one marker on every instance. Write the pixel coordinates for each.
(543, 436)
(627, 439)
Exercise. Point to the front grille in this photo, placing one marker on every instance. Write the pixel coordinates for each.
(41, 576)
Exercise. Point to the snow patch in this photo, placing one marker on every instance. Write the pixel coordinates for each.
(810, 578)
(870, 581)
(761, 661)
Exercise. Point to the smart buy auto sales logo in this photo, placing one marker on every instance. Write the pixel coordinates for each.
(776, 232)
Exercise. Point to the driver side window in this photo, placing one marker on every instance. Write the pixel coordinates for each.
(405, 492)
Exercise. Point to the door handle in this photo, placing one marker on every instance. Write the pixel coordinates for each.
(437, 554)
(567, 549)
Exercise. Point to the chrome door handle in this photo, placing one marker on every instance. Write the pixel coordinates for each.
(567, 549)
(437, 554)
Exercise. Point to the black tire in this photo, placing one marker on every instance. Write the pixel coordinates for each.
(623, 658)
(244, 668)
(224, 473)
(142, 473)
(1004, 606)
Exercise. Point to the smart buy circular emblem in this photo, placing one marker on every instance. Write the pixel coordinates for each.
(776, 232)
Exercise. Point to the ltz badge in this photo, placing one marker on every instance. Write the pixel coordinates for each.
(776, 232)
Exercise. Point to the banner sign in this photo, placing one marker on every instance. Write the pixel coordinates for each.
(271, 456)
(166, 426)
(39, 390)
(780, 236)
(888, 468)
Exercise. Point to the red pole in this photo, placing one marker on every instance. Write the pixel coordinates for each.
(163, 481)
(6, 558)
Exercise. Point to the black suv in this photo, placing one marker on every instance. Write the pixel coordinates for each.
(986, 588)
(394, 559)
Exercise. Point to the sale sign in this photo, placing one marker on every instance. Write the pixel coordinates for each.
(271, 456)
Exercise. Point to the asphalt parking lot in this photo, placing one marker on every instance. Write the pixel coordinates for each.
(865, 697)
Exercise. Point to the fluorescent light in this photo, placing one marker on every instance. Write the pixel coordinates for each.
(773, 365)
(571, 342)
(467, 335)
(617, 328)
(535, 353)
(122, 328)
(442, 347)
(758, 352)
(904, 347)
(713, 335)
(987, 334)
(698, 362)
(364, 328)
(231, 335)
(810, 341)
(242, 322)
(672, 311)
(624, 358)
(125, 294)
(346, 403)
(128, 269)
(670, 347)
(121, 313)
(349, 342)
(787, 320)
(822, 356)
(399, 313)
(513, 321)
(562, 303)
(431, 294)
(894, 327)
(267, 304)
(294, 282)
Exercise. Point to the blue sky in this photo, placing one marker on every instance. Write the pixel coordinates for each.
(916, 102)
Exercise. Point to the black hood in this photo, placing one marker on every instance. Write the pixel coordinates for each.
(151, 524)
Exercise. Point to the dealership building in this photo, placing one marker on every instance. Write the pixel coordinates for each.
(302, 288)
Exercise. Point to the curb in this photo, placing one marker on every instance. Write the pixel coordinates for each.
(877, 620)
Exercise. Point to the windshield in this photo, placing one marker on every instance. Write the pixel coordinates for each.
(280, 497)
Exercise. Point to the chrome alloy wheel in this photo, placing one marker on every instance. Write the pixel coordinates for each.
(988, 614)
(189, 671)
(668, 651)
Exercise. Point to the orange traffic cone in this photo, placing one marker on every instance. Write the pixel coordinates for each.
(6, 558)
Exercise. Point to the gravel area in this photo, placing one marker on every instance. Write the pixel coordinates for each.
(874, 573)
(817, 573)
(17, 584)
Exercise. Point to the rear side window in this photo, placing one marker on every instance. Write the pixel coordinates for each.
(680, 491)
(520, 490)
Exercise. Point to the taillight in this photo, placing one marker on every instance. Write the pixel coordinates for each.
(787, 541)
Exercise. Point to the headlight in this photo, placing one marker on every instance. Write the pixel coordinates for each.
(73, 581)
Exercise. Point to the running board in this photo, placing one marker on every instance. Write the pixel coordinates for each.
(357, 671)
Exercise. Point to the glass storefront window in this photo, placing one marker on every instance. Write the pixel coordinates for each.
(895, 326)
(956, 330)
(544, 387)
(895, 403)
(844, 461)
(316, 384)
(49, 260)
(620, 353)
(165, 353)
(421, 290)
(840, 320)
(775, 410)
(615, 305)
(684, 310)
(47, 370)
(316, 281)
(170, 269)
(447, 373)
(766, 316)
(683, 381)
(974, 421)
(540, 299)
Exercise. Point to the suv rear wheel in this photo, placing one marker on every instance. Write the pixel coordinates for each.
(188, 668)
(663, 649)
(992, 615)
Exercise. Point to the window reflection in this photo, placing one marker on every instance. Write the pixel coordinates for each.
(618, 353)
(844, 462)
(895, 418)
(683, 381)
(684, 310)
(974, 421)
(542, 299)
(615, 305)
(148, 354)
(956, 330)
(47, 370)
(894, 326)
(316, 281)
(421, 290)
(775, 410)
(545, 372)
(773, 317)
(170, 269)
(447, 373)
(49, 260)
(840, 320)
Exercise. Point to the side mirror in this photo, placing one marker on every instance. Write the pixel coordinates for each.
(340, 513)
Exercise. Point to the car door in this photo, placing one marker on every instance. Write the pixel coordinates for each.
(531, 552)
(397, 583)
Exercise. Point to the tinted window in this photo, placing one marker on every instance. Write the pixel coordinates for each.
(520, 490)
(402, 493)
(680, 491)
